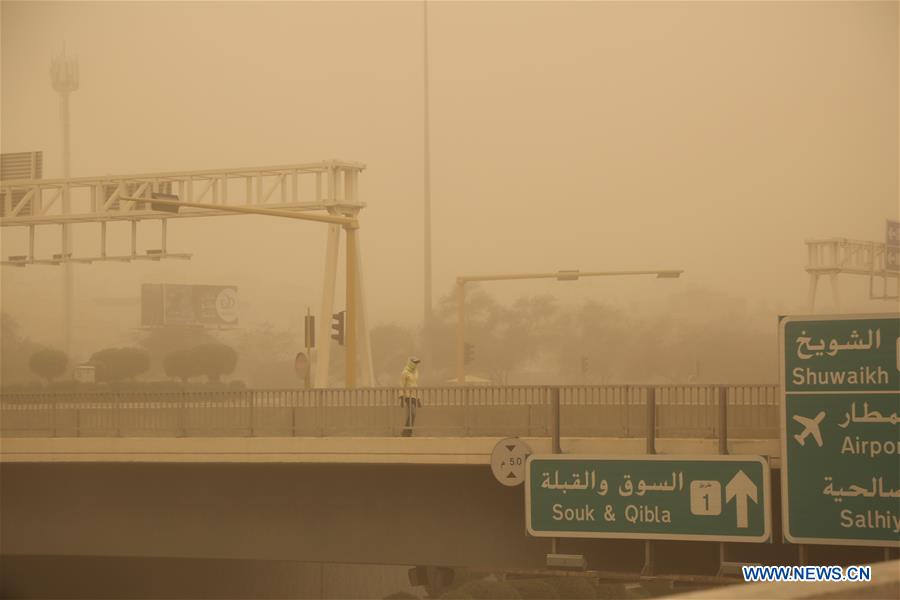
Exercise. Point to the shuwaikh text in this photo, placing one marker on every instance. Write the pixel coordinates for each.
(861, 376)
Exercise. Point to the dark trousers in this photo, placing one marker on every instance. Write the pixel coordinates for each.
(410, 404)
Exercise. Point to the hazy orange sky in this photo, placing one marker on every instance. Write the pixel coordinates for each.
(713, 137)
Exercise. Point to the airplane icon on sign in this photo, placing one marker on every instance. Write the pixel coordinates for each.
(811, 426)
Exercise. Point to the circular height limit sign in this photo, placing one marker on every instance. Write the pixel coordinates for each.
(508, 461)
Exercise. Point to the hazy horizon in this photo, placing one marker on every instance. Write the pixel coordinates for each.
(710, 137)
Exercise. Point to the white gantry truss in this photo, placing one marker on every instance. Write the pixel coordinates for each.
(330, 186)
(835, 256)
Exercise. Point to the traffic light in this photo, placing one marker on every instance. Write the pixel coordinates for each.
(164, 207)
(469, 353)
(337, 326)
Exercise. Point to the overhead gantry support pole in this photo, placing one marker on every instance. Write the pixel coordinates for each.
(64, 77)
(350, 225)
(323, 352)
(365, 356)
(355, 324)
(342, 196)
(811, 299)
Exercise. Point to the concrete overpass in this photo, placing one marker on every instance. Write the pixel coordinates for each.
(201, 478)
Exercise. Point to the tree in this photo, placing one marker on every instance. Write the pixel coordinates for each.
(519, 337)
(391, 346)
(506, 339)
(48, 363)
(598, 333)
(116, 364)
(215, 360)
(181, 364)
(267, 356)
(709, 336)
(161, 341)
(15, 352)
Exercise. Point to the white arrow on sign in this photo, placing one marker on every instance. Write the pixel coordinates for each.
(739, 489)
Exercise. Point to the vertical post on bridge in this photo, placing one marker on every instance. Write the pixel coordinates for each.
(649, 551)
(723, 419)
(555, 417)
(55, 408)
(557, 449)
(182, 419)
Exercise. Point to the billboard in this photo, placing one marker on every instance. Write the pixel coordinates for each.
(188, 305)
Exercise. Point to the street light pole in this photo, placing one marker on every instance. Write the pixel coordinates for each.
(64, 76)
(559, 275)
(428, 316)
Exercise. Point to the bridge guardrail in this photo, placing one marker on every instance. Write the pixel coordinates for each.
(602, 411)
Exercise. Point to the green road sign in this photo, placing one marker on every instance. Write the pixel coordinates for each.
(840, 429)
(699, 497)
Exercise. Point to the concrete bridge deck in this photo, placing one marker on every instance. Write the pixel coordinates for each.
(323, 475)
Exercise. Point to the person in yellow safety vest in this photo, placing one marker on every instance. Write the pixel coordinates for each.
(409, 380)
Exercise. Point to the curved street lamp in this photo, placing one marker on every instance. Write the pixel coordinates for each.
(462, 280)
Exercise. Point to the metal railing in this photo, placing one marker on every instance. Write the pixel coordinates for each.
(680, 411)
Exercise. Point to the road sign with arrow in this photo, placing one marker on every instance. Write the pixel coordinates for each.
(840, 469)
(698, 497)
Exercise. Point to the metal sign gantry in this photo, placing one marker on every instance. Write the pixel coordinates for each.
(835, 256)
(330, 186)
(312, 186)
(567, 275)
